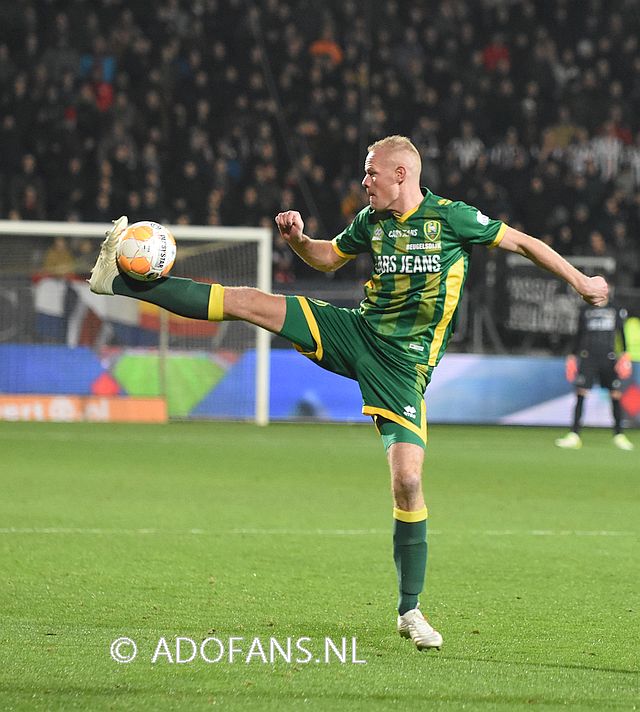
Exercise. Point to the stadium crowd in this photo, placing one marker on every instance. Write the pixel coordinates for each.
(227, 111)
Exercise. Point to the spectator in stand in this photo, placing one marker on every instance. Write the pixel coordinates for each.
(101, 210)
(598, 246)
(58, 259)
(84, 252)
(495, 52)
(627, 253)
(467, 148)
(535, 211)
(580, 223)
(326, 47)
(498, 91)
(71, 190)
(560, 135)
(30, 204)
(352, 201)
(608, 151)
(283, 269)
(28, 178)
(609, 215)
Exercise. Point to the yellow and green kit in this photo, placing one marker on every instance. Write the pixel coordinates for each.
(392, 342)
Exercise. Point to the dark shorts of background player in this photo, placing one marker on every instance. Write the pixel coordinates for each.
(600, 368)
(340, 341)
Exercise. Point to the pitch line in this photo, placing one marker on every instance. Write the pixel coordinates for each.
(143, 531)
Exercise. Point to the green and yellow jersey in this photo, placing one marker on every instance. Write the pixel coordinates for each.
(420, 263)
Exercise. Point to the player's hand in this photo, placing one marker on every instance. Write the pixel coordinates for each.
(595, 291)
(290, 225)
(624, 367)
(571, 368)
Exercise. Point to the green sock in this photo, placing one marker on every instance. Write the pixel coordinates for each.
(410, 556)
(180, 296)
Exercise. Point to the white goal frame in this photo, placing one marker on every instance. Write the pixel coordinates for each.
(203, 233)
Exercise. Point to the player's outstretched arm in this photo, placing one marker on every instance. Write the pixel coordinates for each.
(319, 254)
(593, 290)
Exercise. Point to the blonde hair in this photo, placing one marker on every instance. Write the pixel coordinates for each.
(396, 143)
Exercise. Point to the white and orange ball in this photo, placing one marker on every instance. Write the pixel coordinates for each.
(146, 250)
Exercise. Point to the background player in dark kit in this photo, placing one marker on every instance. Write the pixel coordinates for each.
(593, 357)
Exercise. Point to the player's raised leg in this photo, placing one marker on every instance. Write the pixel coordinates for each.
(195, 300)
(410, 542)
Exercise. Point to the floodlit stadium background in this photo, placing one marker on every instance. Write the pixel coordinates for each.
(225, 113)
(221, 113)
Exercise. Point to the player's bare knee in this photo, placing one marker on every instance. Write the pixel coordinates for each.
(407, 490)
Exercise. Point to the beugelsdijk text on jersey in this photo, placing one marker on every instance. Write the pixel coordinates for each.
(406, 264)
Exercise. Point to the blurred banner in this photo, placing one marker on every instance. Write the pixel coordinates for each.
(74, 409)
(58, 382)
(535, 301)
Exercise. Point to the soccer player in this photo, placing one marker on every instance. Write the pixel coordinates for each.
(420, 245)
(594, 356)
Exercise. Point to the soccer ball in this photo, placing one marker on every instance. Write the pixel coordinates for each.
(146, 250)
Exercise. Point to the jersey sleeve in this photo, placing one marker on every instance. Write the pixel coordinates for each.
(354, 239)
(472, 226)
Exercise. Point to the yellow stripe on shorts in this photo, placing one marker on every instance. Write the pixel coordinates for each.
(313, 328)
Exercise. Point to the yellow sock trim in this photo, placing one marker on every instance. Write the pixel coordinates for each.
(216, 302)
(410, 517)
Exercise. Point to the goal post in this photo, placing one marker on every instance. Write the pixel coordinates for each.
(36, 289)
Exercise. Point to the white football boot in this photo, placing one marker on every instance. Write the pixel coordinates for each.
(622, 441)
(105, 269)
(415, 626)
(571, 441)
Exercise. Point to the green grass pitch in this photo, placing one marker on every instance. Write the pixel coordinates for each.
(228, 530)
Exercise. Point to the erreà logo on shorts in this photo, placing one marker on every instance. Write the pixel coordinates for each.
(409, 412)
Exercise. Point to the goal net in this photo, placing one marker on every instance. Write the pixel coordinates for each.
(68, 354)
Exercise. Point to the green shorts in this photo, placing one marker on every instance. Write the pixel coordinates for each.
(340, 341)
